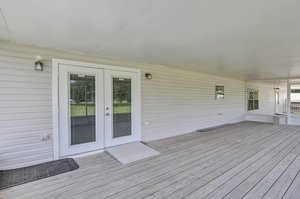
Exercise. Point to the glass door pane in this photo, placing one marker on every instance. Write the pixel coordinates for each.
(82, 109)
(121, 107)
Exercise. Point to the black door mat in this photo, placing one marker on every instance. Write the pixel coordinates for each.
(14, 177)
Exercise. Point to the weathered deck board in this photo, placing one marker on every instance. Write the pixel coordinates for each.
(148, 174)
(280, 187)
(209, 183)
(294, 190)
(116, 180)
(250, 160)
(238, 177)
(175, 183)
(263, 178)
(173, 154)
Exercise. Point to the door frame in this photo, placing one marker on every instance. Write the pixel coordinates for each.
(55, 97)
(64, 92)
(108, 79)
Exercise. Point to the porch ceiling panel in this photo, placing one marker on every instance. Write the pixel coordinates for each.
(241, 38)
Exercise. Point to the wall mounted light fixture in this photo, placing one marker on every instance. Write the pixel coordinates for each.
(148, 76)
(38, 64)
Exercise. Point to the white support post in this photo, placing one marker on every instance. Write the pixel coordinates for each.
(288, 102)
(275, 103)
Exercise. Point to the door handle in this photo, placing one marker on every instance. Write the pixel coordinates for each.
(107, 114)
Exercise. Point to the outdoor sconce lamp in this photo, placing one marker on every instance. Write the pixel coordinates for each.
(148, 76)
(38, 65)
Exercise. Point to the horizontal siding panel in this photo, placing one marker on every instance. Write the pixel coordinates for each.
(26, 134)
(13, 61)
(23, 65)
(174, 102)
(26, 146)
(25, 122)
(17, 55)
(28, 159)
(26, 91)
(22, 78)
(23, 142)
(30, 127)
(30, 109)
(15, 84)
(25, 97)
(19, 72)
(21, 116)
(24, 85)
(33, 103)
(27, 155)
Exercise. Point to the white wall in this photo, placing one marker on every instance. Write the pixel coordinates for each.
(267, 99)
(266, 96)
(25, 112)
(283, 97)
(173, 102)
(177, 102)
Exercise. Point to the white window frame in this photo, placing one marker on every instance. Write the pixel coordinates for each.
(253, 100)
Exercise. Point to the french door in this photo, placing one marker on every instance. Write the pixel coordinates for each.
(97, 109)
(120, 109)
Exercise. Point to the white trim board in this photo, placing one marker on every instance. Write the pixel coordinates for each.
(55, 109)
(93, 65)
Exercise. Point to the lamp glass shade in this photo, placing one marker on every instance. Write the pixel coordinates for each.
(38, 66)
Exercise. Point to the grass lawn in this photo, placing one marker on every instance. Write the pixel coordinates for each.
(80, 110)
(122, 109)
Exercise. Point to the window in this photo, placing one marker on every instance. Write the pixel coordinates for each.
(252, 99)
(220, 92)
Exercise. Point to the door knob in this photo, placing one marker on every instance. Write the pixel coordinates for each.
(107, 114)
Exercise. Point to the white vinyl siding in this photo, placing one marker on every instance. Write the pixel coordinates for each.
(265, 97)
(173, 102)
(266, 109)
(177, 102)
(25, 107)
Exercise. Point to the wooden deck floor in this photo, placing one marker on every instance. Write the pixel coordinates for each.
(246, 160)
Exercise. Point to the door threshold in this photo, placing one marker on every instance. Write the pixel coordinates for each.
(131, 152)
(83, 154)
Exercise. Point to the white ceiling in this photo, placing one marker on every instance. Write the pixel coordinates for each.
(251, 39)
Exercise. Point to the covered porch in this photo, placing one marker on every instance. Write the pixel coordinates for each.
(244, 160)
(103, 74)
(273, 101)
